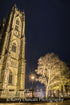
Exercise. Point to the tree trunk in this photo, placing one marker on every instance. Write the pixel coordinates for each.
(63, 90)
(47, 91)
(47, 86)
(58, 94)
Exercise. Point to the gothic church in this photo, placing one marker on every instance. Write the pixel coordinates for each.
(12, 55)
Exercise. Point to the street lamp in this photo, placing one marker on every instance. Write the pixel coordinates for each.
(32, 78)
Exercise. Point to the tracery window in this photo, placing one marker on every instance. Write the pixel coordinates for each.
(14, 47)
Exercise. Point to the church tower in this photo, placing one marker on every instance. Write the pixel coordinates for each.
(12, 55)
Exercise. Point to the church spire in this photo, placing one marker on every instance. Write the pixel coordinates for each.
(14, 6)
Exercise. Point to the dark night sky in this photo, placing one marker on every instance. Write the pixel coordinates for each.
(47, 28)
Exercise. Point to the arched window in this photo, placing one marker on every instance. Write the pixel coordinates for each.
(10, 78)
(14, 47)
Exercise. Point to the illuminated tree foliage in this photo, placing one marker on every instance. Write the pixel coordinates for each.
(53, 72)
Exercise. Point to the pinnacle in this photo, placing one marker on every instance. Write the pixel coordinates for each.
(14, 6)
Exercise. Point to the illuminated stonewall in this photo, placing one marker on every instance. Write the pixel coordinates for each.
(12, 55)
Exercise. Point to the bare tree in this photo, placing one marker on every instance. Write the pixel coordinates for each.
(53, 72)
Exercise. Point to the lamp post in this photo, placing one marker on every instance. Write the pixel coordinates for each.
(32, 78)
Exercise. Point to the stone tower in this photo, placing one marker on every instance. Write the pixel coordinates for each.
(12, 55)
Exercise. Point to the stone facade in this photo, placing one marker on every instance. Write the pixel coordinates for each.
(12, 55)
